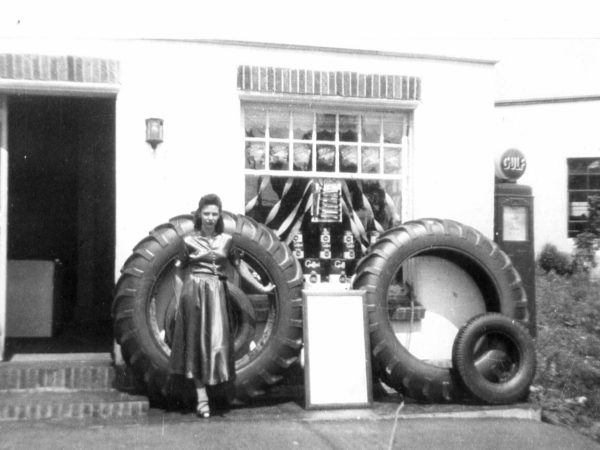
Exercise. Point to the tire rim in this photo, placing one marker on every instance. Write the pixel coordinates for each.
(497, 357)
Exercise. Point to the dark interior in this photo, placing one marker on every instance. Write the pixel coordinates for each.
(62, 207)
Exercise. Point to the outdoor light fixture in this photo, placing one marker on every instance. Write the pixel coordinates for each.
(154, 131)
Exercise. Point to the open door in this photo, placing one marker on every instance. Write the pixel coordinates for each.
(3, 217)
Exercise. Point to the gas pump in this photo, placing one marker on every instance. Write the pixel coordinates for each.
(513, 223)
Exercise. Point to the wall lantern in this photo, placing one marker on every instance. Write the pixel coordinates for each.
(154, 131)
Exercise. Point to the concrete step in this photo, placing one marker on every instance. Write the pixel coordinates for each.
(83, 371)
(70, 405)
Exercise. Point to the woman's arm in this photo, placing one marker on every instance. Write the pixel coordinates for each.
(243, 270)
(182, 254)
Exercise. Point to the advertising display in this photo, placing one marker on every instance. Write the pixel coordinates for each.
(327, 182)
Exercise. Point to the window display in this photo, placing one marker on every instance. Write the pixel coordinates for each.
(331, 182)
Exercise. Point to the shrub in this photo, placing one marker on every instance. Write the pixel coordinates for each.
(586, 243)
(567, 383)
(584, 258)
(551, 259)
(594, 214)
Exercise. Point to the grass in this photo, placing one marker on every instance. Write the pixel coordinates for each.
(567, 383)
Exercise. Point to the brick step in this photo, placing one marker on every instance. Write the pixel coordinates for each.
(70, 405)
(87, 371)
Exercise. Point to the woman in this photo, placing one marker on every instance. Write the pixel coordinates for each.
(202, 344)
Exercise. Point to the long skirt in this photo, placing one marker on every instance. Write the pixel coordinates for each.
(202, 346)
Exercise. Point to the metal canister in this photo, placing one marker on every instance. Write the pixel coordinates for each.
(348, 245)
(325, 244)
(298, 245)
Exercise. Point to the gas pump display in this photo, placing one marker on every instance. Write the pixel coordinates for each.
(514, 223)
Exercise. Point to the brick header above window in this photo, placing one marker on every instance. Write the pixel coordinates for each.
(342, 84)
(58, 68)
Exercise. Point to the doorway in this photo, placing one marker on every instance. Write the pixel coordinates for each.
(61, 216)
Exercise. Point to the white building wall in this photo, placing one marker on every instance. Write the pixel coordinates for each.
(455, 145)
(548, 134)
(192, 86)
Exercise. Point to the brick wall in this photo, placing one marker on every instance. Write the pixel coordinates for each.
(325, 83)
(58, 68)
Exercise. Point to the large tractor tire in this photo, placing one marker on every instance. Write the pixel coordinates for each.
(489, 269)
(267, 327)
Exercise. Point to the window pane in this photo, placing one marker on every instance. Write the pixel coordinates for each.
(349, 128)
(256, 121)
(578, 210)
(594, 166)
(302, 157)
(325, 127)
(375, 194)
(279, 157)
(577, 181)
(576, 227)
(371, 128)
(594, 181)
(255, 155)
(263, 197)
(303, 125)
(349, 158)
(391, 160)
(325, 158)
(392, 130)
(579, 196)
(370, 160)
(393, 189)
(279, 124)
(583, 165)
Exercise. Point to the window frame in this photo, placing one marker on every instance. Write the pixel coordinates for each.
(572, 232)
(338, 110)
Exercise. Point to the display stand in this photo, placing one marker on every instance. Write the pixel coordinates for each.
(337, 369)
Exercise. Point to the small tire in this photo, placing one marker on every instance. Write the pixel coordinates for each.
(489, 267)
(495, 359)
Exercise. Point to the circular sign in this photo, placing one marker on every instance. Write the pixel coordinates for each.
(511, 165)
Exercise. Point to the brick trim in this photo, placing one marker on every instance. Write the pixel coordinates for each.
(278, 80)
(59, 68)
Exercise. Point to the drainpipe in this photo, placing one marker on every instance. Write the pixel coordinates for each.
(3, 217)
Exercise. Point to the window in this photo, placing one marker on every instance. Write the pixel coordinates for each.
(584, 181)
(324, 172)
(324, 143)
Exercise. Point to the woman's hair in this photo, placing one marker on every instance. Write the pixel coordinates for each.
(209, 199)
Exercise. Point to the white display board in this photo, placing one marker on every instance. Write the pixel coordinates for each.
(337, 369)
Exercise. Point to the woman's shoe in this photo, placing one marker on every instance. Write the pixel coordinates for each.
(202, 409)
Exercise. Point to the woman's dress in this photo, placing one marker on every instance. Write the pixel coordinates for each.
(202, 343)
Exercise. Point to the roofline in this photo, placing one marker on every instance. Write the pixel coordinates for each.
(328, 49)
(547, 100)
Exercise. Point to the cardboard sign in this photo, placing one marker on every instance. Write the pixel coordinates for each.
(337, 369)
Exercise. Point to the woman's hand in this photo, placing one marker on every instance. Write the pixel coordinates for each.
(268, 288)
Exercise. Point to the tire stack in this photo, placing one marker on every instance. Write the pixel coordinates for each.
(493, 356)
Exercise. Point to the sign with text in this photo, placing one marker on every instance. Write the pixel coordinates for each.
(511, 165)
(337, 369)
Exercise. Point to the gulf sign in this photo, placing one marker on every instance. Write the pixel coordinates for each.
(511, 165)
